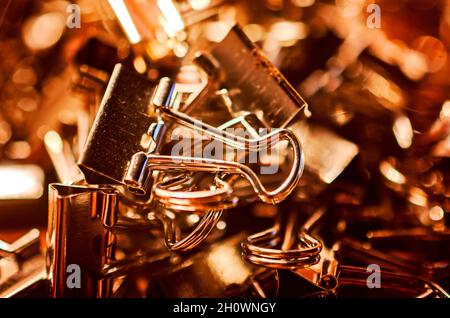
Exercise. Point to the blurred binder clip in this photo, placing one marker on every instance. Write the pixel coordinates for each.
(22, 266)
(84, 229)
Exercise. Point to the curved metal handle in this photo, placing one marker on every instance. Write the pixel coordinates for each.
(137, 174)
(259, 249)
(281, 247)
(194, 238)
(172, 194)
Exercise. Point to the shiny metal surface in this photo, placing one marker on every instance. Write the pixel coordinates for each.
(192, 148)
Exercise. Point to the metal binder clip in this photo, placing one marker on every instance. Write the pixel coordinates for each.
(76, 235)
(333, 275)
(124, 141)
(120, 128)
(82, 231)
(323, 274)
(129, 131)
(142, 163)
(283, 246)
(217, 271)
(256, 85)
(351, 281)
(180, 194)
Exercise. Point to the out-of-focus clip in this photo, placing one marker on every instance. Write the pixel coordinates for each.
(22, 265)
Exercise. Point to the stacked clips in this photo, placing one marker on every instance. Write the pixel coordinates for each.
(115, 151)
(181, 159)
(134, 180)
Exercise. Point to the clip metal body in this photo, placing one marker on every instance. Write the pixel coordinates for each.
(83, 229)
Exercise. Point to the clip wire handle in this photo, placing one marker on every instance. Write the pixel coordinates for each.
(172, 194)
(262, 248)
(195, 237)
(137, 171)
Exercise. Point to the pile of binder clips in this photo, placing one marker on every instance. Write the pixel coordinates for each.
(213, 148)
